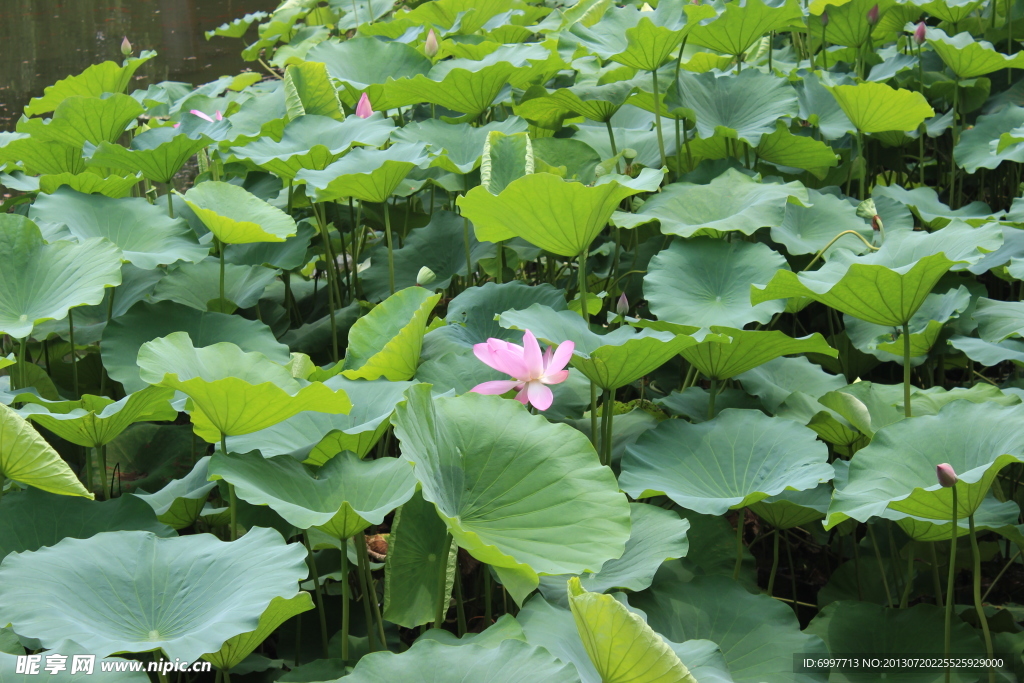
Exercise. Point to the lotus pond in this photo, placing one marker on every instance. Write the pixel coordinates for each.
(506, 340)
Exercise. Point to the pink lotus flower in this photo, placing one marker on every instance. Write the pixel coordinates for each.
(430, 46)
(946, 475)
(531, 370)
(873, 15)
(919, 33)
(363, 108)
(196, 112)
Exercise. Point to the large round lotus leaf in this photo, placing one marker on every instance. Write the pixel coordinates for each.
(777, 379)
(897, 469)
(78, 120)
(341, 498)
(885, 287)
(621, 646)
(124, 336)
(179, 502)
(96, 80)
(794, 508)
(758, 635)
(196, 284)
(97, 420)
(146, 236)
(731, 352)
(317, 437)
(595, 102)
(236, 216)
(42, 281)
(287, 255)
(744, 106)
(27, 458)
(989, 353)
(924, 202)
(991, 515)
(809, 229)
(517, 492)
(237, 648)
(114, 186)
(877, 107)
(974, 150)
(158, 153)
(731, 202)
(183, 595)
(32, 519)
(314, 142)
(457, 147)
(851, 628)
(610, 360)
(562, 217)
(308, 91)
(706, 281)
(386, 342)
(741, 25)
(369, 175)
(784, 148)
(969, 58)
(998, 320)
(361, 62)
(739, 458)
(512, 661)
(232, 392)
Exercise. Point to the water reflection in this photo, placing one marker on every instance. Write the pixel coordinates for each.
(46, 40)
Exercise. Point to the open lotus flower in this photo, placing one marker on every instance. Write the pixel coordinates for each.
(363, 108)
(531, 370)
(196, 112)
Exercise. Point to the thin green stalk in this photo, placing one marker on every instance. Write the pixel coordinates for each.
(321, 608)
(232, 501)
(74, 357)
(910, 576)
(711, 397)
(101, 455)
(856, 565)
(487, 593)
(361, 573)
(775, 564)
(657, 117)
(23, 357)
(594, 432)
(739, 545)
(110, 315)
(345, 595)
(501, 263)
(606, 438)
(881, 566)
(950, 581)
(170, 203)
(606, 415)
(469, 255)
(325, 236)
(442, 583)
(978, 607)
(936, 581)
(460, 608)
(391, 251)
(792, 573)
(906, 369)
(220, 249)
(1002, 571)
(611, 141)
(364, 559)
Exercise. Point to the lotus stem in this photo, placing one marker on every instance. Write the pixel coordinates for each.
(978, 607)
(856, 565)
(391, 251)
(469, 256)
(442, 583)
(712, 393)
(906, 369)
(170, 203)
(220, 249)
(74, 359)
(881, 567)
(594, 431)
(833, 241)
(936, 581)
(345, 593)
(910, 576)
(23, 356)
(611, 141)
(1002, 571)
(792, 574)
(319, 594)
(459, 606)
(101, 454)
(487, 593)
(110, 314)
(606, 437)
(364, 560)
(325, 236)
(739, 545)
(950, 581)
(657, 117)
(232, 500)
(501, 263)
(775, 563)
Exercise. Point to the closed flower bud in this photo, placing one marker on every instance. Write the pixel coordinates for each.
(363, 108)
(873, 15)
(622, 305)
(946, 475)
(430, 46)
(824, 18)
(425, 276)
(126, 47)
(919, 33)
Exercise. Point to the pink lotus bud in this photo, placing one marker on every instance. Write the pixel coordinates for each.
(126, 47)
(622, 306)
(430, 46)
(919, 33)
(873, 15)
(824, 18)
(363, 109)
(196, 112)
(946, 475)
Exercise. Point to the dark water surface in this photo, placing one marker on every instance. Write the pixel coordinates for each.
(42, 41)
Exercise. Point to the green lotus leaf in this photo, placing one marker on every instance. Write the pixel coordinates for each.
(158, 153)
(33, 519)
(784, 148)
(237, 27)
(885, 287)
(968, 57)
(991, 515)
(145, 235)
(42, 281)
(774, 381)
(369, 175)
(609, 360)
(96, 80)
(758, 635)
(526, 506)
(877, 107)
(732, 201)
(341, 498)
(287, 255)
(95, 421)
(975, 148)
(867, 406)
(195, 284)
(114, 186)
(455, 147)
(704, 281)
(826, 423)
(78, 120)
(363, 61)
(236, 216)
(413, 564)
(735, 460)
(925, 204)
(179, 503)
(27, 458)
(144, 322)
(139, 603)
(237, 648)
(621, 646)
(314, 142)
(952, 11)
(732, 352)
(512, 661)
(595, 102)
(386, 342)
(559, 216)
(308, 91)
(39, 157)
(232, 392)
(317, 437)
(998, 320)
(504, 628)
(849, 627)
(847, 20)
(809, 229)
(742, 25)
(744, 106)
(989, 353)
(977, 439)
(791, 509)
(887, 344)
